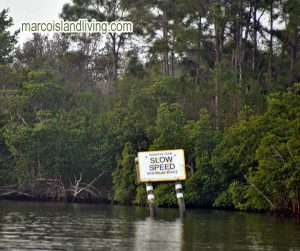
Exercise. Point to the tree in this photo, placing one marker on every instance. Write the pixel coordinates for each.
(277, 175)
(169, 129)
(234, 156)
(193, 37)
(100, 10)
(157, 23)
(7, 40)
(289, 36)
(124, 177)
(261, 173)
(201, 186)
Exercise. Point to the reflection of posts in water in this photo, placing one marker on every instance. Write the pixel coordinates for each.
(150, 196)
(180, 199)
(154, 234)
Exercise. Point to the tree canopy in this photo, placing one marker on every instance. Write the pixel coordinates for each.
(219, 79)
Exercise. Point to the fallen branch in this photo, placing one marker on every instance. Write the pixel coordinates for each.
(260, 192)
(23, 120)
(8, 193)
(277, 153)
(77, 191)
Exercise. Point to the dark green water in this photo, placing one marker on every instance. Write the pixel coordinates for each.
(51, 226)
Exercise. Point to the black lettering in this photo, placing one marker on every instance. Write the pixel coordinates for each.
(169, 159)
(162, 159)
(162, 166)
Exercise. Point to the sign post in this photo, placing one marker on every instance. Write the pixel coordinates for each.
(160, 166)
(180, 199)
(150, 194)
(150, 197)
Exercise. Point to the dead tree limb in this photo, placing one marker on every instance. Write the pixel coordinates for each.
(260, 192)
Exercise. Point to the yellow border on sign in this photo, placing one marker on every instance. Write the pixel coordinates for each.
(161, 180)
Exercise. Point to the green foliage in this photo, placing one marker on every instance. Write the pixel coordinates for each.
(223, 200)
(169, 130)
(141, 196)
(48, 141)
(200, 136)
(201, 139)
(46, 150)
(229, 92)
(202, 186)
(234, 154)
(278, 153)
(40, 93)
(7, 40)
(78, 105)
(6, 163)
(165, 195)
(262, 172)
(124, 178)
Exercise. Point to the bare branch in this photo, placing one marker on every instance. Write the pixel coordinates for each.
(260, 192)
(23, 120)
(290, 152)
(91, 183)
(278, 154)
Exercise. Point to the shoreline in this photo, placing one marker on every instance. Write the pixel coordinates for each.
(108, 202)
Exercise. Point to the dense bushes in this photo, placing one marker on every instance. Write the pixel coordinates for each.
(50, 134)
(76, 109)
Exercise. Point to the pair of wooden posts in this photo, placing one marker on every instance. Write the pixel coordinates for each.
(151, 197)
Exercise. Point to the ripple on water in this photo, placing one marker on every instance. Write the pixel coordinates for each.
(49, 226)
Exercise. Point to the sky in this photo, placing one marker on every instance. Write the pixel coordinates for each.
(45, 11)
(32, 11)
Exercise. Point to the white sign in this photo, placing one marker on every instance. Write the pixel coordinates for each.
(164, 165)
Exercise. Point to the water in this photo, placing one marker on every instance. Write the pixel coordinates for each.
(51, 226)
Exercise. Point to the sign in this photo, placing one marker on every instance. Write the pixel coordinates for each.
(167, 165)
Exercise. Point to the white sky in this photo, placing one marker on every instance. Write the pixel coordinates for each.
(32, 11)
(44, 11)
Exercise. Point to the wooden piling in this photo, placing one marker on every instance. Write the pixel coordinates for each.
(180, 199)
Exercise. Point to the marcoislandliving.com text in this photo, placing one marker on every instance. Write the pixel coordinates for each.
(82, 25)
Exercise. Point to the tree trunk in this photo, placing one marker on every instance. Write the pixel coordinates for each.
(254, 49)
(217, 61)
(237, 37)
(115, 57)
(172, 63)
(240, 42)
(199, 50)
(293, 57)
(115, 50)
(244, 47)
(270, 48)
(219, 28)
(173, 54)
(165, 38)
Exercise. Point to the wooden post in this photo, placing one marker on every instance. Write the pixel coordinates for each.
(180, 199)
(150, 195)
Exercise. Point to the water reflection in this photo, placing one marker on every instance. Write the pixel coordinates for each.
(50, 226)
(219, 230)
(153, 234)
